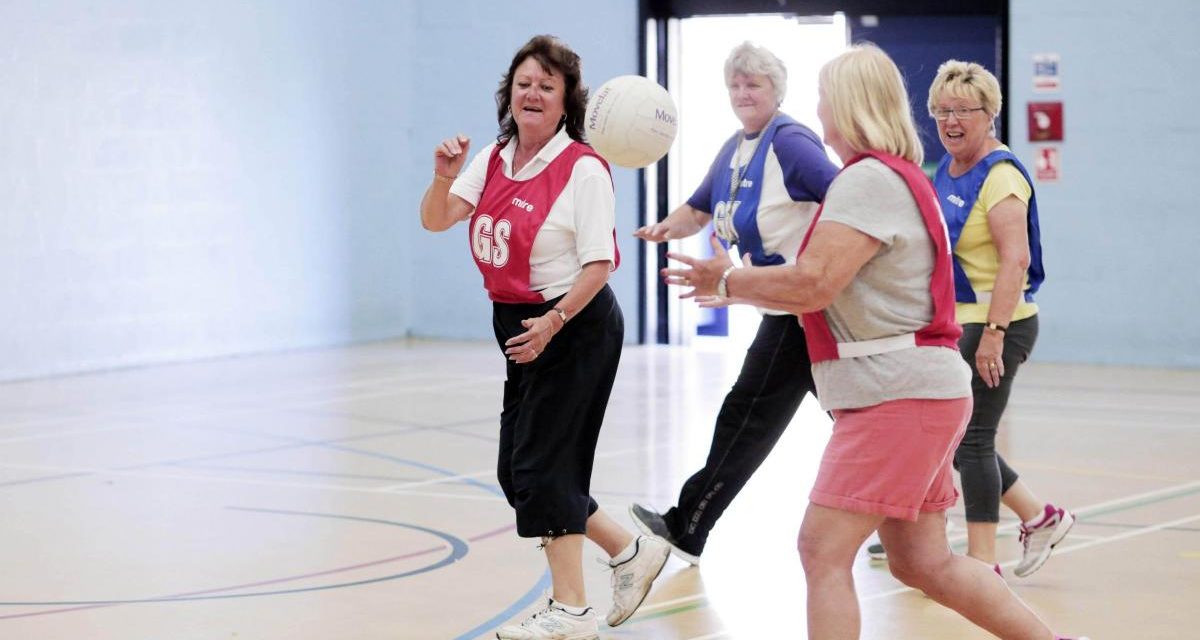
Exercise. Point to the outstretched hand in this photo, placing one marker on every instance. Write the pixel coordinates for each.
(657, 232)
(702, 275)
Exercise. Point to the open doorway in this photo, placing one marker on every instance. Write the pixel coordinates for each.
(700, 47)
(685, 51)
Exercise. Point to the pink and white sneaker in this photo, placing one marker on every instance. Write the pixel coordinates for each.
(1041, 537)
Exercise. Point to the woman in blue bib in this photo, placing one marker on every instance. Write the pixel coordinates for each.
(991, 214)
(760, 193)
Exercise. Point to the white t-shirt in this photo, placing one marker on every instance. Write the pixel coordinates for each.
(579, 227)
(889, 296)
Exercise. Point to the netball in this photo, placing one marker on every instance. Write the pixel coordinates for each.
(631, 121)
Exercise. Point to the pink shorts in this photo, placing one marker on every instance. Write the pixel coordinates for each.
(893, 459)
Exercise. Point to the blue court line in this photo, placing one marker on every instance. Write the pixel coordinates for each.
(334, 445)
(57, 476)
(294, 472)
(295, 444)
(529, 598)
(490, 488)
(458, 550)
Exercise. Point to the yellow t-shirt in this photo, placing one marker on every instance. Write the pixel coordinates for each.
(975, 250)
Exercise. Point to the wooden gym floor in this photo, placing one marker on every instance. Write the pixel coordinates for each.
(350, 494)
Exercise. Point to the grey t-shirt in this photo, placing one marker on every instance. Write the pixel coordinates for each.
(889, 296)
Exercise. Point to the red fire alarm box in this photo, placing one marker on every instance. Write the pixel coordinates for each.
(1045, 121)
(1047, 166)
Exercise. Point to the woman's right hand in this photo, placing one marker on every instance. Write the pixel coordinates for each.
(684, 221)
(448, 157)
(657, 232)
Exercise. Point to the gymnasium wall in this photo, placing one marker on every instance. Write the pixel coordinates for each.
(1120, 228)
(196, 178)
(186, 179)
(470, 45)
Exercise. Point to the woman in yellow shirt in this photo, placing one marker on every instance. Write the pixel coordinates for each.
(991, 216)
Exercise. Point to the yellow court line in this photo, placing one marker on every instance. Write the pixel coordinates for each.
(668, 604)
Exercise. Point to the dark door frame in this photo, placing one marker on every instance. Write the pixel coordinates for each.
(660, 11)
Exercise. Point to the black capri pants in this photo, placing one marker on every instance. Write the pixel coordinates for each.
(553, 409)
(985, 475)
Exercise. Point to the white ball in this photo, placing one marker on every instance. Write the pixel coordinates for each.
(631, 121)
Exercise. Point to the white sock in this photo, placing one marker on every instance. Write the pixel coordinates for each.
(575, 611)
(626, 553)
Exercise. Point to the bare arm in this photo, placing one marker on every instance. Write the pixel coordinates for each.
(1007, 222)
(440, 209)
(684, 221)
(525, 347)
(834, 255)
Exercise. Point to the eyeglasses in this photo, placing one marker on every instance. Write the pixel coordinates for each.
(962, 113)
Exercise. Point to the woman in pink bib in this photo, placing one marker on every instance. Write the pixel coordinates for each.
(874, 286)
(541, 216)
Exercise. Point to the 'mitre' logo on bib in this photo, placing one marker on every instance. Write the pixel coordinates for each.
(521, 204)
(956, 201)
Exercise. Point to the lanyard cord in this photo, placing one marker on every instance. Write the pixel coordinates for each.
(738, 172)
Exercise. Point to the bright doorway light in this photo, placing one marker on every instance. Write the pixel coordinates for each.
(706, 119)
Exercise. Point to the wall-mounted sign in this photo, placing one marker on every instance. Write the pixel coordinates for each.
(1047, 166)
(1045, 121)
(1045, 72)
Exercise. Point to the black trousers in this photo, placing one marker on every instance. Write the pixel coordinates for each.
(553, 409)
(985, 475)
(775, 376)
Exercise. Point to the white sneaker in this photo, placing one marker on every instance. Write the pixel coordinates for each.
(1041, 538)
(632, 578)
(553, 623)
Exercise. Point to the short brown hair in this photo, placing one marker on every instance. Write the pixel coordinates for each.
(555, 57)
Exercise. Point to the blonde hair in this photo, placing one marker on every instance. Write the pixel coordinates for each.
(869, 103)
(752, 60)
(970, 80)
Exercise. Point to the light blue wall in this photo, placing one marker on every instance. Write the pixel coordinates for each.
(460, 51)
(1121, 228)
(185, 179)
(191, 178)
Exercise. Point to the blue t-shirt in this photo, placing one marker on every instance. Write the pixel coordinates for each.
(784, 180)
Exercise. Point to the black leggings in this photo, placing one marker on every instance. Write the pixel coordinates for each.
(775, 377)
(985, 475)
(553, 409)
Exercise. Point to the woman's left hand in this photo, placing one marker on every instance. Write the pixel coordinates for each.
(713, 302)
(703, 275)
(528, 346)
(988, 360)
